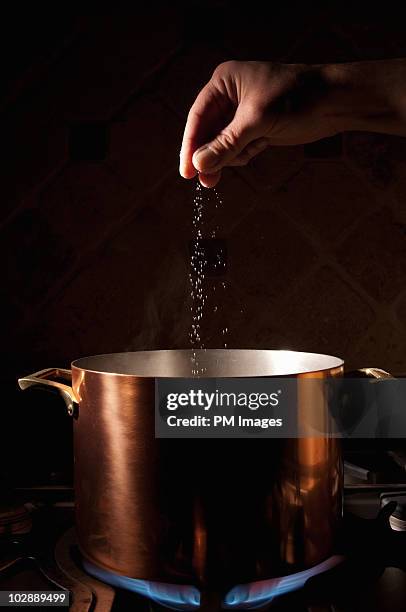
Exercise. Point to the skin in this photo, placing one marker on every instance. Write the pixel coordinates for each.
(248, 106)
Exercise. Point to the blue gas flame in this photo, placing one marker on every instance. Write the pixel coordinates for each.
(186, 597)
(174, 596)
(261, 593)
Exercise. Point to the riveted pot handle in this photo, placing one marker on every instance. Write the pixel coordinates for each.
(57, 378)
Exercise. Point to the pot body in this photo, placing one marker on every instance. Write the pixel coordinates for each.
(210, 512)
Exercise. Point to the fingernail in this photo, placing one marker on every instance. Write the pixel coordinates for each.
(205, 159)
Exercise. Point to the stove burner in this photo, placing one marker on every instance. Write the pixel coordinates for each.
(186, 597)
(174, 596)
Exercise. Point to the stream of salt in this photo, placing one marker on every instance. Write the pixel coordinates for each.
(197, 276)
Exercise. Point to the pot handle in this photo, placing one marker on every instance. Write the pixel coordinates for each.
(51, 377)
(351, 402)
(377, 373)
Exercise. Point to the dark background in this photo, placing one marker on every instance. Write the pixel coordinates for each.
(96, 222)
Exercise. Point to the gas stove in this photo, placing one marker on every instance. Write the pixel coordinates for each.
(38, 551)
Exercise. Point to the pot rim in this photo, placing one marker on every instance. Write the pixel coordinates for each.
(241, 363)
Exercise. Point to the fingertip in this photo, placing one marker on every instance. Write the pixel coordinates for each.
(209, 180)
(186, 168)
(196, 161)
(205, 160)
(187, 172)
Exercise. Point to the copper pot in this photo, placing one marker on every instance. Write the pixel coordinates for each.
(213, 513)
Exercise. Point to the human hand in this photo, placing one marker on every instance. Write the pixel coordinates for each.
(247, 106)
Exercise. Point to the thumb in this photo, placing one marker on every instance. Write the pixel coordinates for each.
(228, 144)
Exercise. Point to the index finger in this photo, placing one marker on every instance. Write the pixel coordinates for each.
(206, 117)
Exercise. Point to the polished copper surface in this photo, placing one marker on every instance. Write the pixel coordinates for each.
(210, 512)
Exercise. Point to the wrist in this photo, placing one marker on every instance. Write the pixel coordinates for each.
(359, 96)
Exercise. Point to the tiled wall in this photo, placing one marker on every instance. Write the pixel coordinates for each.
(96, 222)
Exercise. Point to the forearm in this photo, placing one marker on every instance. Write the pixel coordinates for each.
(366, 96)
